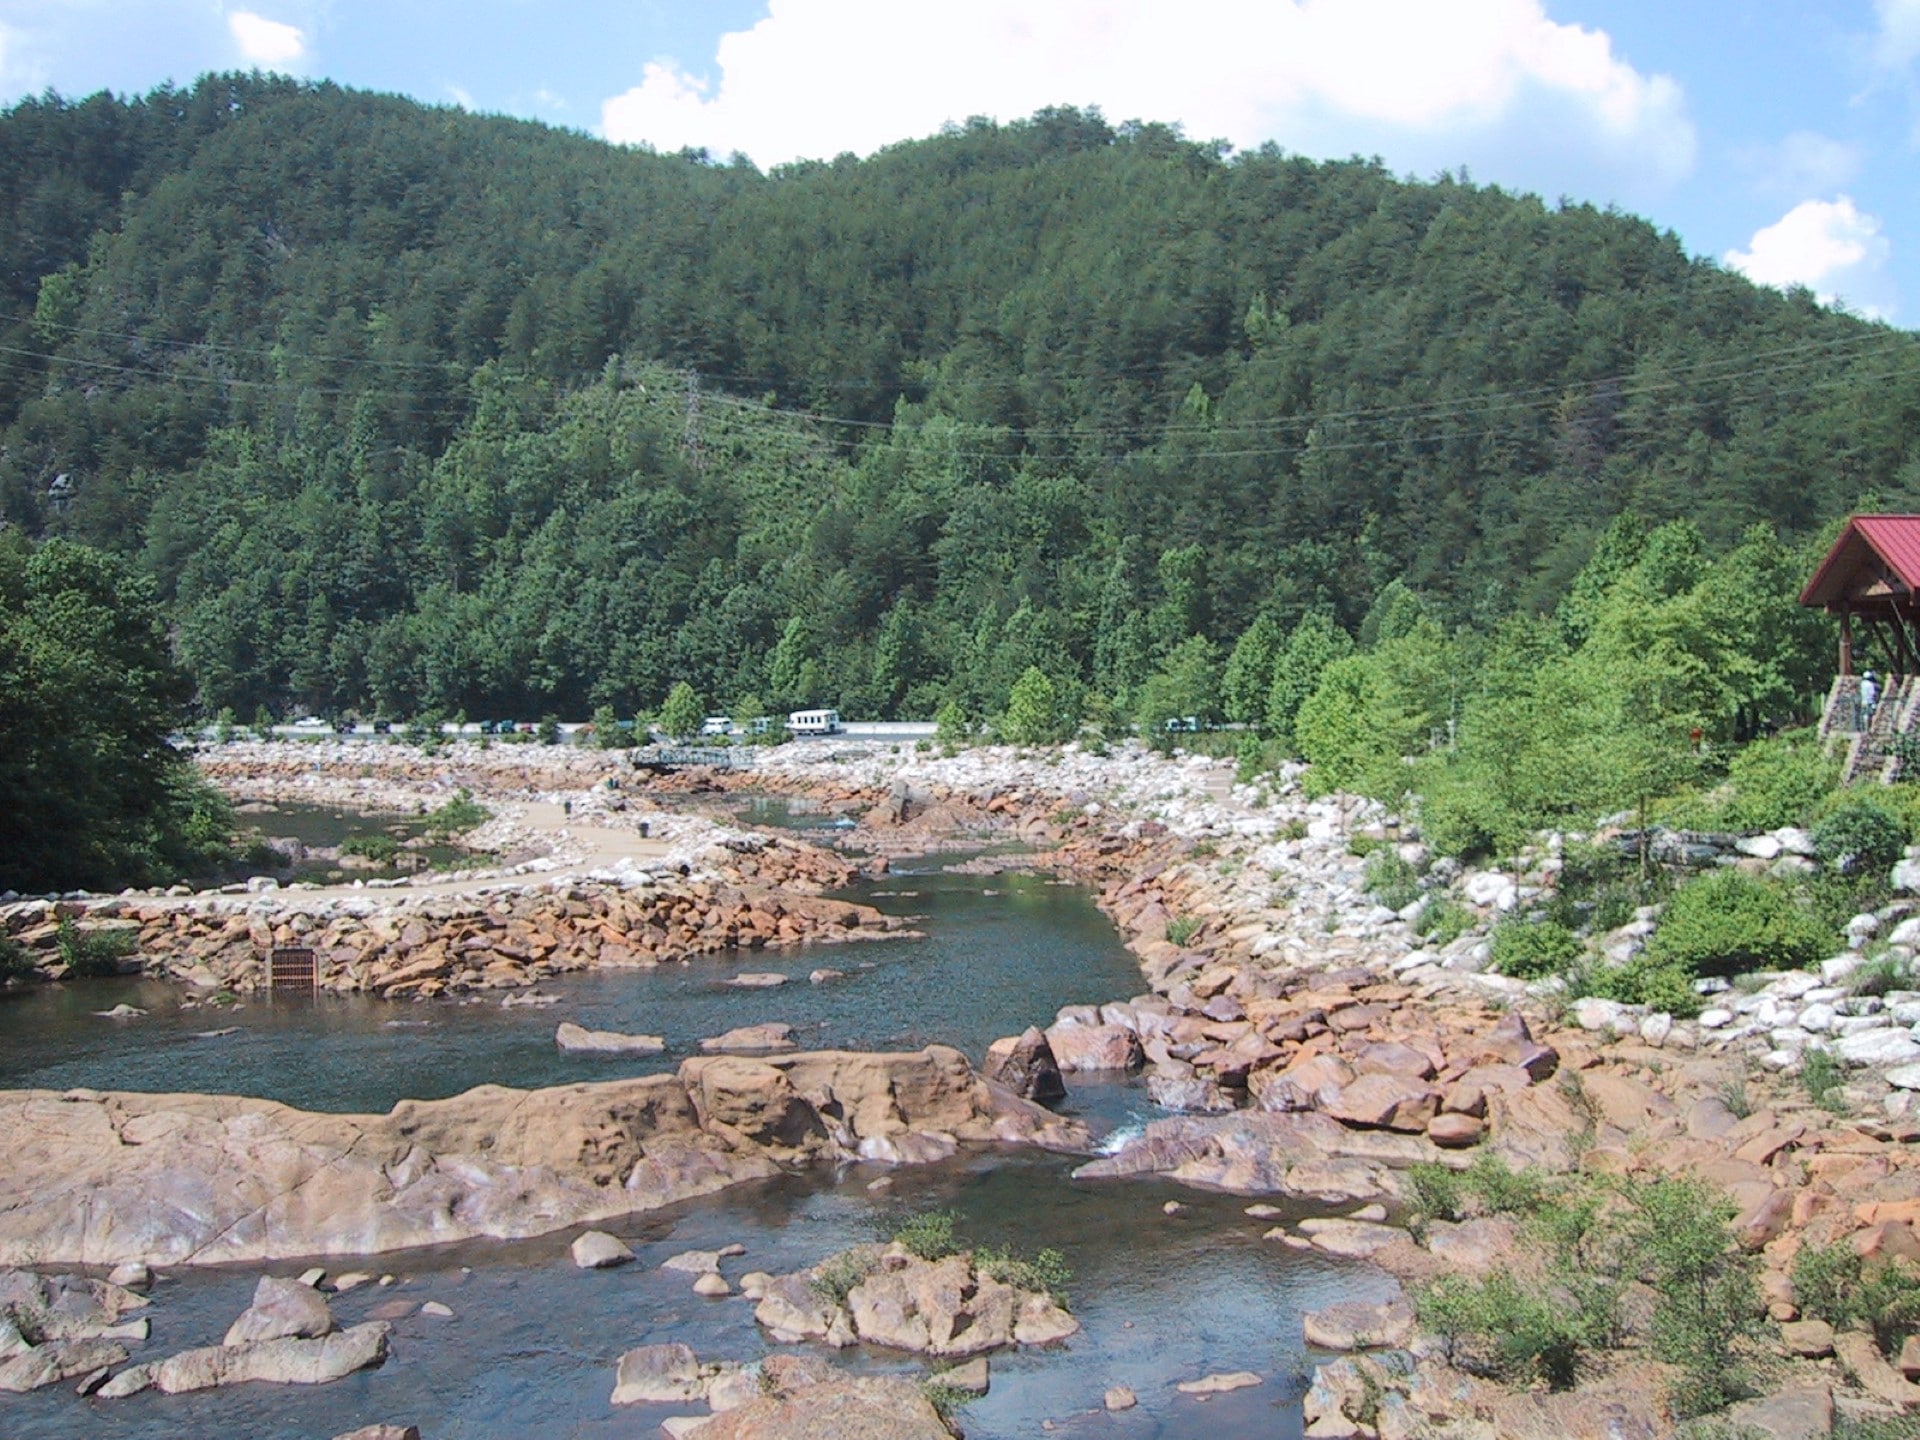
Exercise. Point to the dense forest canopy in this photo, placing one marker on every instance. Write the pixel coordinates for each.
(402, 408)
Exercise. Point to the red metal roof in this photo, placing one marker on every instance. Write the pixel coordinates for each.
(1892, 539)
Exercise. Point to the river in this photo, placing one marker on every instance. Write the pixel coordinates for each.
(531, 1347)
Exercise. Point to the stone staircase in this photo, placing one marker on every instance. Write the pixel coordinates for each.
(1868, 747)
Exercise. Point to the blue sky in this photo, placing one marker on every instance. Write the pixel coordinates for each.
(1777, 136)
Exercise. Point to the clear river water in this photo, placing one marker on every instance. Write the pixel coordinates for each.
(531, 1346)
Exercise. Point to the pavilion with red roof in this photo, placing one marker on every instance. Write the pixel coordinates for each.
(1871, 581)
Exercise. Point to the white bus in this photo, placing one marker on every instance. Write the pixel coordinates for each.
(813, 722)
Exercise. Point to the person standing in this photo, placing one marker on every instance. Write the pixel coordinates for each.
(1869, 697)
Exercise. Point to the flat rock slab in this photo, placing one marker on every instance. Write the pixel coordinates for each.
(758, 980)
(1219, 1384)
(1802, 1414)
(57, 1360)
(576, 1040)
(1350, 1239)
(751, 1038)
(1356, 1325)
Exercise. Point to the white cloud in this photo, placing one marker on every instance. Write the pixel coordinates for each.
(266, 42)
(1898, 39)
(1832, 247)
(462, 97)
(1804, 161)
(1495, 83)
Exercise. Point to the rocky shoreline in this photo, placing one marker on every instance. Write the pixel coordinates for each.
(1308, 1041)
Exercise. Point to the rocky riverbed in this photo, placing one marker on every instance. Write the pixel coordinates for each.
(1311, 1044)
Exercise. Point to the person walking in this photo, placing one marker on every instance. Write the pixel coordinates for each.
(1869, 697)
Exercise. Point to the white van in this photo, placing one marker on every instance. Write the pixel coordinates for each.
(717, 725)
(814, 722)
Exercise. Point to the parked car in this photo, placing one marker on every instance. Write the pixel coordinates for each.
(309, 722)
(383, 727)
(717, 725)
(1184, 725)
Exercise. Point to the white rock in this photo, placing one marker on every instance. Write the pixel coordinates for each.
(1780, 1059)
(1715, 1019)
(1837, 969)
(1906, 876)
(1593, 1013)
(1907, 932)
(1879, 1047)
(1793, 984)
(1656, 1027)
(1904, 1077)
(1490, 887)
(1794, 841)
(1817, 1018)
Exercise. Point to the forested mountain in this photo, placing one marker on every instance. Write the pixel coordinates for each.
(403, 407)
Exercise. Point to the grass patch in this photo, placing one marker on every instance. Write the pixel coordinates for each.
(1181, 929)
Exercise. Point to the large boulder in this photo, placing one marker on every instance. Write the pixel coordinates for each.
(659, 1374)
(1025, 1064)
(1381, 1101)
(281, 1308)
(1094, 1047)
(597, 1250)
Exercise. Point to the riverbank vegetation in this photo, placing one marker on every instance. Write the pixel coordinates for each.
(95, 793)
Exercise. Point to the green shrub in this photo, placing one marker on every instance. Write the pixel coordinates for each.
(15, 962)
(89, 953)
(1728, 922)
(1181, 929)
(928, 1235)
(1860, 837)
(1708, 1302)
(1643, 980)
(1833, 1283)
(1532, 949)
(378, 848)
(833, 1279)
(1502, 1190)
(1500, 1327)
(1463, 818)
(457, 816)
(548, 730)
(1873, 1427)
(1047, 1272)
(1438, 1193)
(1390, 879)
(1770, 783)
(1444, 921)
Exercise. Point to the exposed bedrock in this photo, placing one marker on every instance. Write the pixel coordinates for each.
(92, 1177)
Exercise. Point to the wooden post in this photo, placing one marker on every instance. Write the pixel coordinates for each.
(1846, 642)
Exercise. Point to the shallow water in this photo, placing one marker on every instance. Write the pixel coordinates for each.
(1001, 953)
(532, 1345)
